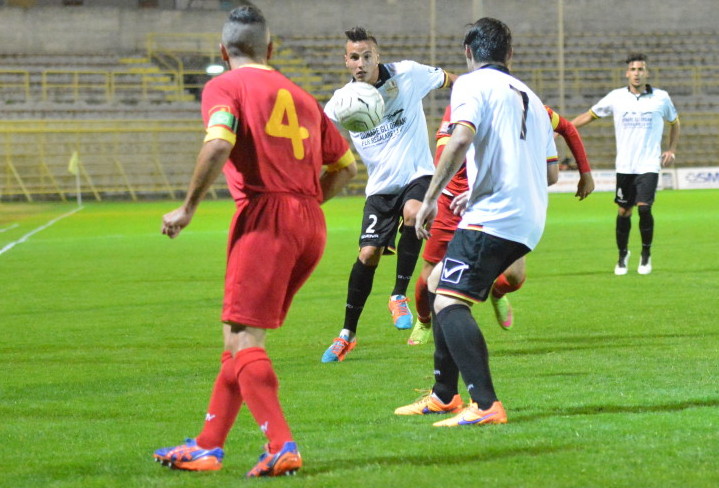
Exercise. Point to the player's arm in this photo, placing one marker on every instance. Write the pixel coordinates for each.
(584, 119)
(574, 141)
(552, 172)
(338, 175)
(452, 157)
(669, 155)
(212, 157)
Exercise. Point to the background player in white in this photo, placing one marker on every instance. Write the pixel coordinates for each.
(503, 129)
(639, 113)
(399, 167)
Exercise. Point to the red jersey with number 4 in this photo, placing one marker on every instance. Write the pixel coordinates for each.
(280, 133)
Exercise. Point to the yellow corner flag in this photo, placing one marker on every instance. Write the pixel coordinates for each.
(74, 164)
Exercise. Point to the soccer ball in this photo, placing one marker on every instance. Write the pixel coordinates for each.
(359, 107)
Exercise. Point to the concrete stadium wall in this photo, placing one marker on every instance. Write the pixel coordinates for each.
(96, 28)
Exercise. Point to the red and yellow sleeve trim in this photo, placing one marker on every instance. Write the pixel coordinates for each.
(446, 81)
(552, 160)
(346, 159)
(468, 125)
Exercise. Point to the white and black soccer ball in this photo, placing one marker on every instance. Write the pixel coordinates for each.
(359, 107)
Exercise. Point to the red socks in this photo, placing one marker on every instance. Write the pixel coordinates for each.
(259, 387)
(422, 300)
(225, 402)
(502, 286)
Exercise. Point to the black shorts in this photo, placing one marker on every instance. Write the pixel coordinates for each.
(473, 261)
(383, 214)
(635, 188)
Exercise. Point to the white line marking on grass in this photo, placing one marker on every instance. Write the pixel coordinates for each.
(9, 227)
(35, 231)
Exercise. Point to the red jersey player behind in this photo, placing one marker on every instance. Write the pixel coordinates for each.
(448, 217)
(273, 139)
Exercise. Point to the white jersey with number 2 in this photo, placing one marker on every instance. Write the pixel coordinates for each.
(397, 150)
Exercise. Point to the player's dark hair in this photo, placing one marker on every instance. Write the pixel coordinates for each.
(245, 33)
(636, 57)
(359, 34)
(490, 40)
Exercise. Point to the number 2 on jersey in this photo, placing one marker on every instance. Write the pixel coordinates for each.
(284, 123)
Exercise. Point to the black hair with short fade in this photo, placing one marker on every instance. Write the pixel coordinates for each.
(245, 32)
(359, 34)
(636, 57)
(490, 40)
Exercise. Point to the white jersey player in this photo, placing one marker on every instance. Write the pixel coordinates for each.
(502, 128)
(640, 111)
(399, 167)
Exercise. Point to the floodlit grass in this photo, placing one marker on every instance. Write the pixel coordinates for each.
(111, 341)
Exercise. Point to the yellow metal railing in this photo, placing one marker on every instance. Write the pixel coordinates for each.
(14, 81)
(149, 158)
(107, 86)
(126, 158)
(202, 44)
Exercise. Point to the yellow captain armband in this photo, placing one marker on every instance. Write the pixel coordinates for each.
(220, 133)
(594, 116)
(674, 121)
(347, 159)
(442, 141)
(555, 120)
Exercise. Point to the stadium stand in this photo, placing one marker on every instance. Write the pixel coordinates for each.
(135, 116)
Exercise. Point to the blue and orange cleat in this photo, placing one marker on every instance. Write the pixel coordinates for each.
(431, 404)
(338, 349)
(401, 315)
(286, 462)
(190, 457)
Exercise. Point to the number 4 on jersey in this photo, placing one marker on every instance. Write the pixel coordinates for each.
(284, 123)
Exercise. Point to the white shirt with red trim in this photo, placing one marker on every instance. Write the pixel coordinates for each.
(507, 163)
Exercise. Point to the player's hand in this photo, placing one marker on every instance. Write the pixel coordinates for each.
(668, 157)
(459, 203)
(585, 185)
(175, 221)
(425, 216)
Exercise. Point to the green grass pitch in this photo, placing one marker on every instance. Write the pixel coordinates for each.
(111, 342)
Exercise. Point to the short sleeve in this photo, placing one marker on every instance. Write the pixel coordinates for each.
(604, 107)
(220, 113)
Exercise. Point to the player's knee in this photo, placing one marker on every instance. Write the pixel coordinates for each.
(370, 255)
(644, 210)
(624, 212)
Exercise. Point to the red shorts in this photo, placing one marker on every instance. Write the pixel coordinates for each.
(442, 231)
(276, 241)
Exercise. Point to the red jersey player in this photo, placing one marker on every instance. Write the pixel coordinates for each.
(273, 139)
(448, 218)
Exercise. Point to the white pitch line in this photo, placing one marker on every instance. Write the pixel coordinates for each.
(9, 227)
(35, 231)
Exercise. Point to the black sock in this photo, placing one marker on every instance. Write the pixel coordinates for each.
(646, 229)
(407, 253)
(358, 289)
(446, 374)
(469, 351)
(624, 225)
